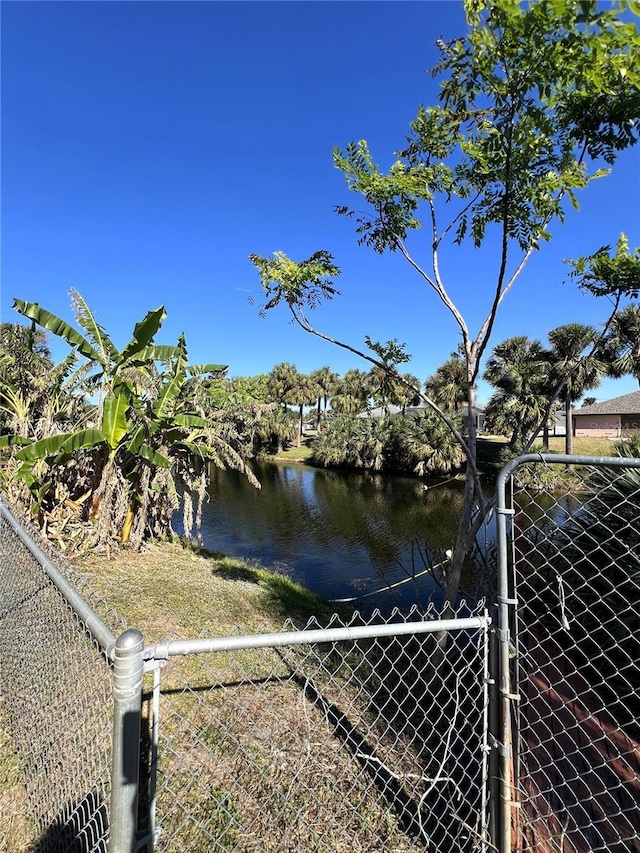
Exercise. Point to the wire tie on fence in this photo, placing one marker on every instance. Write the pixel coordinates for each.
(505, 511)
(505, 600)
(564, 621)
(504, 751)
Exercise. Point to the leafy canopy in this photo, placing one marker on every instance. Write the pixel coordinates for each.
(529, 94)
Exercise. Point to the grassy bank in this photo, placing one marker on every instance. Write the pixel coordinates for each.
(170, 589)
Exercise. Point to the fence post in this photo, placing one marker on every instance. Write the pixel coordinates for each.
(128, 667)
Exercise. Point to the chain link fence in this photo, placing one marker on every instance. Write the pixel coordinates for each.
(364, 735)
(360, 744)
(574, 586)
(55, 700)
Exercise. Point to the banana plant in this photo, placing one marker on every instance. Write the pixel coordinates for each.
(147, 439)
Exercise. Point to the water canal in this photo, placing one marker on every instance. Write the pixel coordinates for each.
(341, 534)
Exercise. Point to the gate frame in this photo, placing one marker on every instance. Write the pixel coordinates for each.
(507, 611)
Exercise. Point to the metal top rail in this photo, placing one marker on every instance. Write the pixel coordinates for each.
(162, 651)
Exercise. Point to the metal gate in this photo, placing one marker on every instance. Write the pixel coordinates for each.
(569, 630)
(359, 737)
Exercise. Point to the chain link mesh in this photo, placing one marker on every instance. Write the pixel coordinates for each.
(576, 572)
(375, 745)
(55, 703)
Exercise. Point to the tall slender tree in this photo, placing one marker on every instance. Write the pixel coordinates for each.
(303, 393)
(530, 96)
(326, 382)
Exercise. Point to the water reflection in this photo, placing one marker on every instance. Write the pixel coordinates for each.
(341, 534)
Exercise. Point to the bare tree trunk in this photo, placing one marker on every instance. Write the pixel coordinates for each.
(467, 526)
(568, 440)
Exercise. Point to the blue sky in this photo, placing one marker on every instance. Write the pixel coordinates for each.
(148, 148)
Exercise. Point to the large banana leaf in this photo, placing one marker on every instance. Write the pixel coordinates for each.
(137, 439)
(10, 440)
(65, 443)
(174, 381)
(114, 419)
(143, 334)
(54, 324)
(201, 450)
(187, 420)
(201, 369)
(157, 352)
(97, 335)
(153, 456)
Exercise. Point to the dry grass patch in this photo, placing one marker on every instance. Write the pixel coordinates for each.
(170, 590)
(16, 830)
(269, 749)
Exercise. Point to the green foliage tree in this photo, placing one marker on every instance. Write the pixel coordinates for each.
(407, 392)
(420, 444)
(281, 381)
(621, 345)
(447, 386)
(529, 97)
(351, 394)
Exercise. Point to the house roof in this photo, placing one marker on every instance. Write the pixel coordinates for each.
(628, 404)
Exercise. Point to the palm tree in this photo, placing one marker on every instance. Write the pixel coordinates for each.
(573, 367)
(303, 393)
(430, 445)
(447, 385)
(519, 370)
(407, 392)
(351, 394)
(281, 381)
(326, 382)
(622, 344)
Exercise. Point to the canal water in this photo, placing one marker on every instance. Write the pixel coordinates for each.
(375, 538)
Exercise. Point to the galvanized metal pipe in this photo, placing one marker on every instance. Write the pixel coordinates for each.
(128, 669)
(505, 603)
(298, 638)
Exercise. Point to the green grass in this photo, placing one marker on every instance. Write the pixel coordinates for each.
(16, 828)
(295, 454)
(584, 445)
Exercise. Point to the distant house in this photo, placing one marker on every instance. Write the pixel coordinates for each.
(617, 417)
